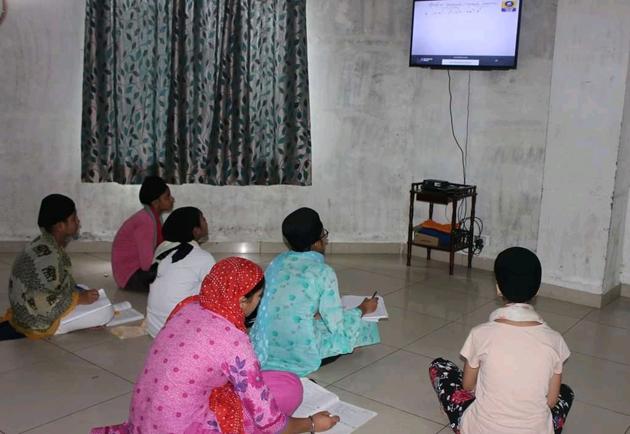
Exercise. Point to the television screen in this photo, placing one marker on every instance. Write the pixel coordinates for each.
(471, 34)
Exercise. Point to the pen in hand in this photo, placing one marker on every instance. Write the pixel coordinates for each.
(374, 295)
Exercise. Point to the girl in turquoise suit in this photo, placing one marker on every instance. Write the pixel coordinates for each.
(300, 321)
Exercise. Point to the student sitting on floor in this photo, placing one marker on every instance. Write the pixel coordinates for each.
(41, 287)
(181, 265)
(201, 375)
(139, 235)
(512, 379)
(301, 323)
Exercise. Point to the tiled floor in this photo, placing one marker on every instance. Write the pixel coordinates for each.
(71, 383)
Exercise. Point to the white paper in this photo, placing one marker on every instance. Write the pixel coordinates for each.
(123, 305)
(82, 310)
(316, 399)
(351, 417)
(352, 301)
(124, 316)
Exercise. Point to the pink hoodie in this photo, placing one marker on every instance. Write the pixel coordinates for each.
(134, 245)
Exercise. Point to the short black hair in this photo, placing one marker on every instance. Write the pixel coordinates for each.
(179, 225)
(55, 208)
(301, 229)
(518, 273)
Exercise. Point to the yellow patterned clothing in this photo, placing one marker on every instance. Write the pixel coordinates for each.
(41, 288)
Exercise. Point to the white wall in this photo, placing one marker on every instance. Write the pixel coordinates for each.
(621, 263)
(40, 108)
(586, 109)
(377, 125)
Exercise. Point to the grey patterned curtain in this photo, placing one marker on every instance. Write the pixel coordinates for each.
(206, 91)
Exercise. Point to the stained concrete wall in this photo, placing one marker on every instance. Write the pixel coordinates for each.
(587, 102)
(620, 258)
(377, 125)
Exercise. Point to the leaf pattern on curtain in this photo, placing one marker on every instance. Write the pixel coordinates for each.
(196, 91)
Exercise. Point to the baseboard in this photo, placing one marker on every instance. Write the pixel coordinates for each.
(611, 296)
(337, 248)
(579, 297)
(341, 248)
(366, 248)
(461, 258)
(12, 246)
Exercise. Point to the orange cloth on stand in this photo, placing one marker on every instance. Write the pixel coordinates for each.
(440, 227)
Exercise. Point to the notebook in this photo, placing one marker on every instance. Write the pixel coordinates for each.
(316, 399)
(82, 310)
(124, 313)
(352, 301)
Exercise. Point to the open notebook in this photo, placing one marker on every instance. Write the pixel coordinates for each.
(102, 306)
(117, 314)
(124, 313)
(352, 301)
(316, 398)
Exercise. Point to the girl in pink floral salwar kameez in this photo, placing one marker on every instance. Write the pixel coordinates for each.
(202, 376)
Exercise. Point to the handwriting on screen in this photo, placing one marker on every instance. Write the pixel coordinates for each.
(464, 8)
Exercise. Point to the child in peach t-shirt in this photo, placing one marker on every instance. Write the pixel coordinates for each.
(511, 383)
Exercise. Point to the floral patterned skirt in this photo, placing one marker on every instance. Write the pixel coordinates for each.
(446, 378)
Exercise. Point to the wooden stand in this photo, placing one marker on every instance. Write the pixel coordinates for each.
(460, 239)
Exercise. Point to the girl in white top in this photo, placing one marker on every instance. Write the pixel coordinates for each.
(181, 265)
(512, 379)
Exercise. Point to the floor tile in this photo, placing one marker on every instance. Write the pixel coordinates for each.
(106, 256)
(4, 300)
(360, 282)
(400, 380)
(47, 390)
(138, 300)
(431, 314)
(388, 419)
(598, 340)
(82, 339)
(123, 357)
(109, 412)
(361, 261)
(6, 259)
(587, 419)
(599, 382)
(616, 314)
(409, 274)
(442, 303)
(21, 353)
(404, 327)
(262, 259)
(5, 274)
(87, 267)
(389, 265)
(445, 342)
(350, 363)
(544, 304)
(477, 283)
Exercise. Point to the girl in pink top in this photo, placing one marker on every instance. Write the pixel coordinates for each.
(202, 376)
(512, 379)
(139, 235)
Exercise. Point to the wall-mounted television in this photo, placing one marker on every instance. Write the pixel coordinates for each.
(465, 34)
